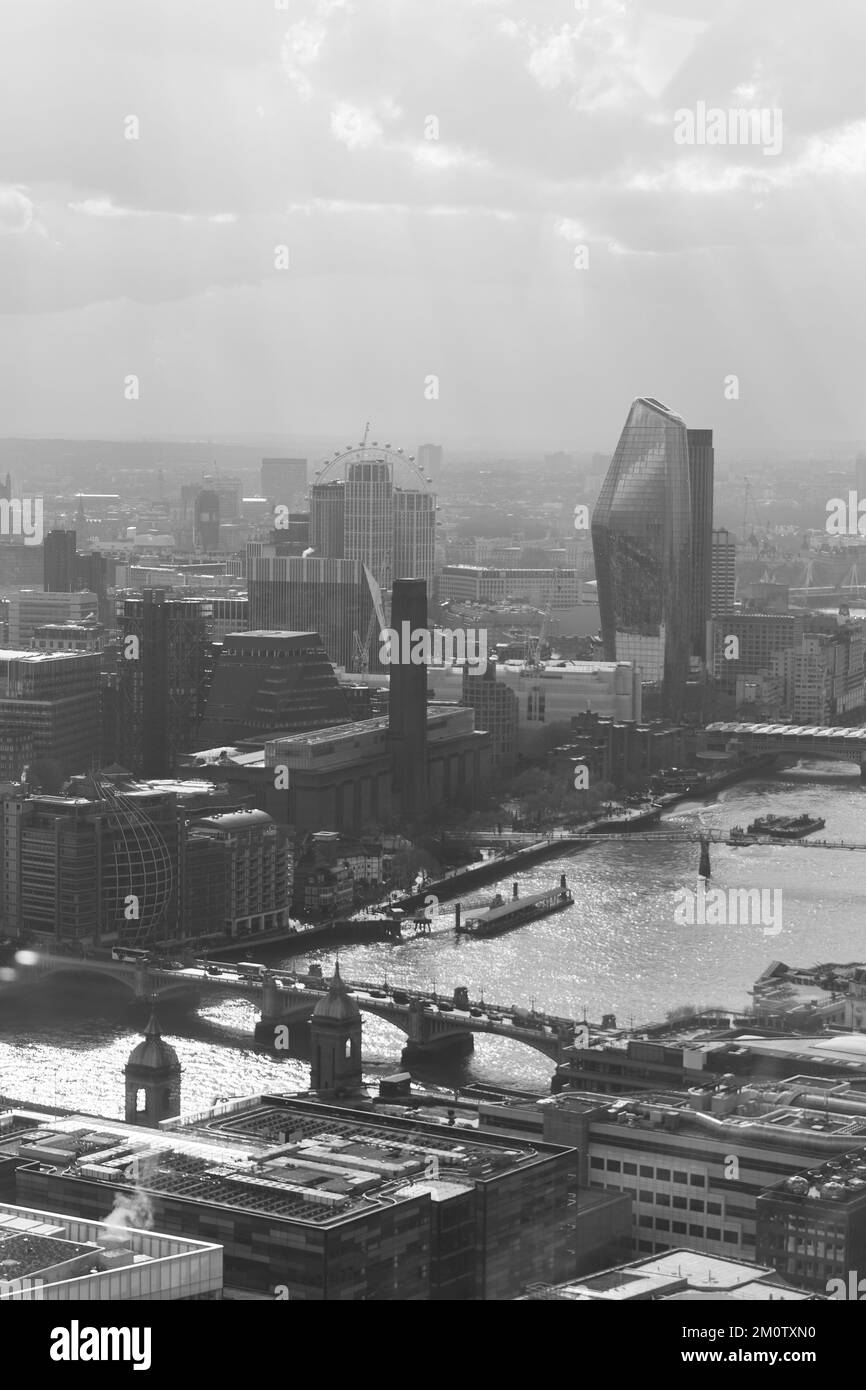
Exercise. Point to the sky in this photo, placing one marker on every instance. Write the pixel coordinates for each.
(472, 221)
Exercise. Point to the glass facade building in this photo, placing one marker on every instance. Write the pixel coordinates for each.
(641, 536)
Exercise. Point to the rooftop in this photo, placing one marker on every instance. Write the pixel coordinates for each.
(679, 1274)
(69, 1258)
(291, 1159)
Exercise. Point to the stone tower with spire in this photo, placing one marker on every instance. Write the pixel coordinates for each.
(152, 1077)
(335, 1043)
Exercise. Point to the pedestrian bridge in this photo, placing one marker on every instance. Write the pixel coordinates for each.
(803, 741)
(433, 1023)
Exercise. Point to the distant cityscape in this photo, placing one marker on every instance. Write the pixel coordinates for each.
(432, 668)
(205, 757)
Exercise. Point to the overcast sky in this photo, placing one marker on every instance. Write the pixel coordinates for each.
(409, 257)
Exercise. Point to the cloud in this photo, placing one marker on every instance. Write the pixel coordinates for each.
(355, 128)
(16, 211)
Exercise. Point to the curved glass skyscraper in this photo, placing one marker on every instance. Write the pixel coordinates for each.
(641, 537)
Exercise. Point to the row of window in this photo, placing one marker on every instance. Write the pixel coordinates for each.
(681, 1228)
(645, 1170)
(662, 1199)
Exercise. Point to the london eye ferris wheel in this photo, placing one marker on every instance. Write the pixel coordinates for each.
(406, 471)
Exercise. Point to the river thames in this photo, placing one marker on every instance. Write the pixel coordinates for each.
(618, 950)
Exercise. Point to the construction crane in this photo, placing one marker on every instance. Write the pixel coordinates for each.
(361, 663)
(532, 650)
(361, 650)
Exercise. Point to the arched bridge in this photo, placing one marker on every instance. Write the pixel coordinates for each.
(432, 1023)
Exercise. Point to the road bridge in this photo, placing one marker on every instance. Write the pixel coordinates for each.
(433, 1023)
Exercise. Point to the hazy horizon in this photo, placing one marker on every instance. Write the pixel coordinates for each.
(275, 218)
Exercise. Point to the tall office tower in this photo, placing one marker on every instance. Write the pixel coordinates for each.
(724, 573)
(641, 537)
(271, 682)
(163, 679)
(312, 594)
(327, 518)
(284, 483)
(701, 472)
(430, 462)
(58, 560)
(49, 712)
(369, 517)
(414, 544)
(407, 701)
(206, 524)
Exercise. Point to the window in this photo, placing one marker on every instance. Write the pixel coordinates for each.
(695, 1205)
(714, 1208)
(680, 1203)
(662, 1199)
(680, 1176)
(732, 1237)
(698, 1180)
(663, 1174)
(713, 1233)
(630, 1168)
(662, 1224)
(645, 1195)
(596, 1163)
(645, 1221)
(645, 1171)
(696, 1231)
(678, 1228)
(613, 1165)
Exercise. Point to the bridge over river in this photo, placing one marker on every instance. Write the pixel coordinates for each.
(432, 1023)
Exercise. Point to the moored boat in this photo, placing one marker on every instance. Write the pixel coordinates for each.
(502, 918)
(786, 827)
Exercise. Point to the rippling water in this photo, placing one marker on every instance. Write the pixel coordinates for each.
(618, 949)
